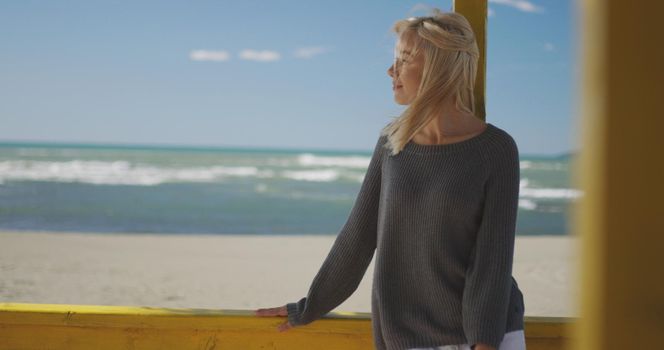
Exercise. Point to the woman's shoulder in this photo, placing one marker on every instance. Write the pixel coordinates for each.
(500, 154)
(500, 139)
(499, 150)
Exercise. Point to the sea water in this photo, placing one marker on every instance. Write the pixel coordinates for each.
(182, 190)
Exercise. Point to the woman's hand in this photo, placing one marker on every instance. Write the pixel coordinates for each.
(276, 311)
(482, 346)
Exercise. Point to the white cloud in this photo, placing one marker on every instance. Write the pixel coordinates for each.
(521, 5)
(549, 47)
(419, 7)
(308, 52)
(260, 56)
(490, 12)
(206, 55)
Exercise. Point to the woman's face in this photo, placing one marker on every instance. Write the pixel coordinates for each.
(406, 73)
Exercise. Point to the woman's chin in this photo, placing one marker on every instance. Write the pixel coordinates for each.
(400, 100)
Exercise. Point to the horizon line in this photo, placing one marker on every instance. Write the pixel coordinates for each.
(176, 147)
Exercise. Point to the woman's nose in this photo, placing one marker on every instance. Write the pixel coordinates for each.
(390, 71)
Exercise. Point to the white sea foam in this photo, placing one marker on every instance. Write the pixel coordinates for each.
(126, 173)
(123, 172)
(527, 204)
(527, 164)
(308, 159)
(324, 175)
(551, 193)
(117, 172)
(525, 191)
(529, 197)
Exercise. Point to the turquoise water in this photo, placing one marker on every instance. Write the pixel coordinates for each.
(97, 188)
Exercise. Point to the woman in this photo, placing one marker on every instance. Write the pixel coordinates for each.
(438, 206)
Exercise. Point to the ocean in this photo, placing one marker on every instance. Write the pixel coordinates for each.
(194, 190)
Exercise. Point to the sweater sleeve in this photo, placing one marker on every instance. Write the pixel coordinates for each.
(350, 255)
(488, 284)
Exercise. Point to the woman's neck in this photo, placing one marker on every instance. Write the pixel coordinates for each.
(449, 126)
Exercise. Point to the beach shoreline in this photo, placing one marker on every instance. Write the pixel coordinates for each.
(228, 271)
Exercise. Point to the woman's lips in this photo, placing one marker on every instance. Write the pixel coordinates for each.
(396, 87)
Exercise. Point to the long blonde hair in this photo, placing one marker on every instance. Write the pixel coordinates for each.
(450, 67)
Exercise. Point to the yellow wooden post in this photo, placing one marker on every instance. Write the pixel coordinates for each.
(476, 13)
(620, 221)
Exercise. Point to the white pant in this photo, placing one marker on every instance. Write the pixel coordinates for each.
(515, 340)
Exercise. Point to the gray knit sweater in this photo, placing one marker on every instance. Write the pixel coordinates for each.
(441, 220)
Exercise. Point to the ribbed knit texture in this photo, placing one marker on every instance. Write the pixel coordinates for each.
(441, 220)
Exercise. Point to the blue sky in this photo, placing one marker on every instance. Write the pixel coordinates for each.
(283, 74)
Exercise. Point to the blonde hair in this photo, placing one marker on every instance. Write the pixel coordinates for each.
(450, 67)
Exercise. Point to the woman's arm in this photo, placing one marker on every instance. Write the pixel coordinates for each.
(488, 285)
(353, 249)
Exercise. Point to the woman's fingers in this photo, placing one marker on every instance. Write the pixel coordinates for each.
(276, 311)
(284, 326)
(273, 311)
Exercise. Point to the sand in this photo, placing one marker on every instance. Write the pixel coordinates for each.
(228, 271)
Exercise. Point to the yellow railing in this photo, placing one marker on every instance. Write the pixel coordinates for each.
(51, 326)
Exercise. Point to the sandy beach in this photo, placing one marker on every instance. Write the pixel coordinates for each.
(228, 271)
